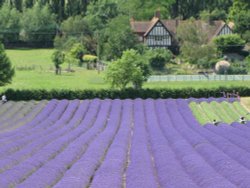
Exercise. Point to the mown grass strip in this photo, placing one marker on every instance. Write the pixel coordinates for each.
(222, 112)
(231, 111)
(241, 110)
(210, 112)
(199, 114)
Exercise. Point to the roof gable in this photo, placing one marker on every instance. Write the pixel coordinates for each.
(154, 24)
(212, 28)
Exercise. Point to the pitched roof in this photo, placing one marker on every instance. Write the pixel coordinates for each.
(143, 27)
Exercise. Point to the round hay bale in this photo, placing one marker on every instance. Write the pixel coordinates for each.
(222, 66)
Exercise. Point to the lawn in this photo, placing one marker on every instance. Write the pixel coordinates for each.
(34, 70)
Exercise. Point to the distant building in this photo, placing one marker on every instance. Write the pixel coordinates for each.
(159, 33)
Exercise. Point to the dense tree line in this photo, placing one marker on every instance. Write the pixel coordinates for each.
(102, 26)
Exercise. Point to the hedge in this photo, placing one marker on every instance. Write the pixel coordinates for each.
(129, 93)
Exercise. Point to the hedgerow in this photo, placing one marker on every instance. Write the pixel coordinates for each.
(128, 93)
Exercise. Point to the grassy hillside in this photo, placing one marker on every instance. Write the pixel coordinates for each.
(34, 70)
(223, 112)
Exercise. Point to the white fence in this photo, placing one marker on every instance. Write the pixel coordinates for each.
(169, 78)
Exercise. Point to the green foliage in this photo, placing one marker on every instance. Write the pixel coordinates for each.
(77, 51)
(38, 24)
(186, 9)
(128, 93)
(237, 70)
(75, 30)
(240, 15)
(116, 38)
(144, 10)
(6, 70)
(159, 57)
(229, 43)
(58, 59)
(131, 68)
(206, 63)
(242, 23)
(100, 12)
(9, 24)
(194, 44)
(216, 14)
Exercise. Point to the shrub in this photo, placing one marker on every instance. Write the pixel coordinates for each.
(237, 70)
(159, 57)
(229, 43)
(130, 93)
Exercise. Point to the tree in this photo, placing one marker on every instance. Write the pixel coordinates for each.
(116, 38)
(144, 10)
(75, 30)
(186, 9)
(10, 24)
(216, 14)
(39, 25)
(131, 68)
(100, 12)
(6, 70)
(195, 44)
(240, 15)
(229, 43)
(58, 59)
(159, 57)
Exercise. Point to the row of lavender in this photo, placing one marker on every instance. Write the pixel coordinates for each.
(123, 143)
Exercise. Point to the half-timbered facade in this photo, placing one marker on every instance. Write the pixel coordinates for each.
(159, 33)
(158, 36)
(225, 30)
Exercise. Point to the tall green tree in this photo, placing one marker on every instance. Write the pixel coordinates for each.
(116, 38)
(39, 25)
(130, 68)
(145, 9)
(75, 30)
(6, 69)
(195, 46)
(186, 9)
(240, 15)
(99, 13)
(10, 24)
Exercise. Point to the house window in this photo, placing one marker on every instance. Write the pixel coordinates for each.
(158, 38)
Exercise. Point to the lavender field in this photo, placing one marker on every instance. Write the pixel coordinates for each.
(119, 143)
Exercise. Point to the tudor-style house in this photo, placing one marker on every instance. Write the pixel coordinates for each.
(159, 33)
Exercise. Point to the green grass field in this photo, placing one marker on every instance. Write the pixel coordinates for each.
(34, 70)
(223, 112)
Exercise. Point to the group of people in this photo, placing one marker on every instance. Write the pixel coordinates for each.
(231, 95)
(242, 120)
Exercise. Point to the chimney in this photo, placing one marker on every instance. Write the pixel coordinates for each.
(158, 13)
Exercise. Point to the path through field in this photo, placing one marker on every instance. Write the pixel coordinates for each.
(118, 143)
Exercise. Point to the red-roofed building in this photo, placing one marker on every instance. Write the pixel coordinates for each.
(159, 33)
